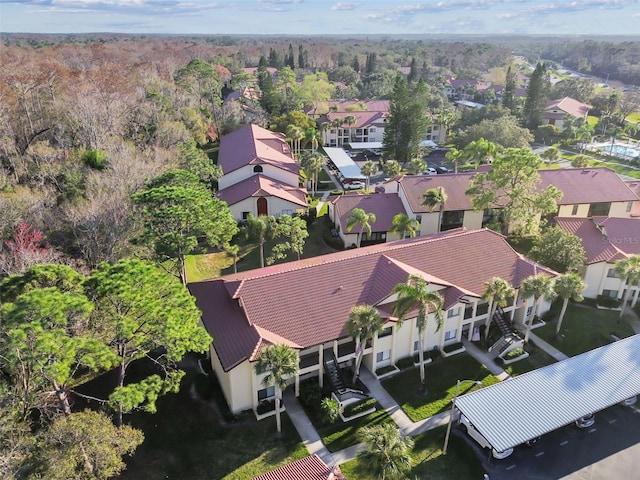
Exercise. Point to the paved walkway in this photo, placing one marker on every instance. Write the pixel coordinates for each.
(314, 444)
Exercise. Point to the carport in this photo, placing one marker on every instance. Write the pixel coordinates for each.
(522, 408)
(344, 163)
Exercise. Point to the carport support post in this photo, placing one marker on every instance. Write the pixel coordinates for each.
(453, 410)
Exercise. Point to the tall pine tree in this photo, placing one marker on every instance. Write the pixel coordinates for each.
(536, 98)
(509, 90)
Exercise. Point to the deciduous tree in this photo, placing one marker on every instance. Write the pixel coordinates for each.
(559, 250)
(511, 185)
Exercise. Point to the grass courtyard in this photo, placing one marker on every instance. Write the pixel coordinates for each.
(441, 377)
(583, 328)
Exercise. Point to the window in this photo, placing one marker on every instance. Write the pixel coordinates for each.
(574, 210)
(416, 346)
(452, 219)
(384, 355)
(450, 335)
(245, 215)
(265, 393)
(419, 218)
(257, 169)
(374, 236)
(599, 209)
(386, 332)
(610, 293)
(452, 313)
(529, 309)
(372, 130)
(611, 273)
(287, 212)
(629, 206)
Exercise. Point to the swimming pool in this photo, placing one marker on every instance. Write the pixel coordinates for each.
(620, 150)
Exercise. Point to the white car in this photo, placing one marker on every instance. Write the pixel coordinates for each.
(477, 436)
(354, 186)
(431, 171)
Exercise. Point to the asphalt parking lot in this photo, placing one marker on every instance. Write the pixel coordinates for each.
(610, 449)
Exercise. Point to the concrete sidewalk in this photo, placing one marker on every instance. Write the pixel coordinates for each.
(485, 359)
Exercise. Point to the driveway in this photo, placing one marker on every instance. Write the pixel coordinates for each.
(607, 450)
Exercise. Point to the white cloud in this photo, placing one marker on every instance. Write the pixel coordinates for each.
(345, 6)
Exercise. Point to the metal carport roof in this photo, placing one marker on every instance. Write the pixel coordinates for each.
(343, 162)
(524, 407)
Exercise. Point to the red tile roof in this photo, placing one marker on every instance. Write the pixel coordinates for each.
(308, 468)
(254, 145)
(578, 185)
(605, 239)
(385, 206)
(455, 186)
(308, 302)
(261, 186)
(363, 119)
(587, 185)
(570, 106)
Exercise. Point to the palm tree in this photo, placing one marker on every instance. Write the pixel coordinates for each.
(350, 120)
(359, 217)
(363, 323)
(402, 224)
(312, 164)
(454, 155)
(416, 166)
(295, 135)
(388, 453)
(280, 362)
(261, 228)
(568, 286)
(538, 286)
(369, 169)
(629, 270)
(479, 151)
(435, 197)
(312, 136)
(551, 154)
(391, 168)
(584, 134)
(580, 161)
(498, 292)
(416, 294)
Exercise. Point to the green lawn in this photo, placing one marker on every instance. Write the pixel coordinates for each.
(583, 328)
(212, 265)
(185, 439)
(441, 377)
(340, 435)
(461, 461)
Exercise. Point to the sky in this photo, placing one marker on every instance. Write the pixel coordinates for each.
(317, 17)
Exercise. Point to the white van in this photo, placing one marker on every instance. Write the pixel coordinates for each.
(477, 436)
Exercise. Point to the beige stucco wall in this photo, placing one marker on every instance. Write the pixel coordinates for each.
(596, 279)
(472, 220)
(270, 171)
(236, 384)
(275, 206)
(618, 210)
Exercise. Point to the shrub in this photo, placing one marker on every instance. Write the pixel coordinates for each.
(514, 353)
(359, 407)
(310, 395)
(95, 159)
(608, 302)
(383, 370)
(266, 406)
(406, 362)
(330, 410)
(452, 347)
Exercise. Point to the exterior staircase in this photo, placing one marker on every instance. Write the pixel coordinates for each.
(336, 379)
(509, 340)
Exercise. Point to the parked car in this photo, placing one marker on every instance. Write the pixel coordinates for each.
(353, 186)
(630, 400)
(477, 436)
(430, 171)
(586, 421)
(442, 169)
